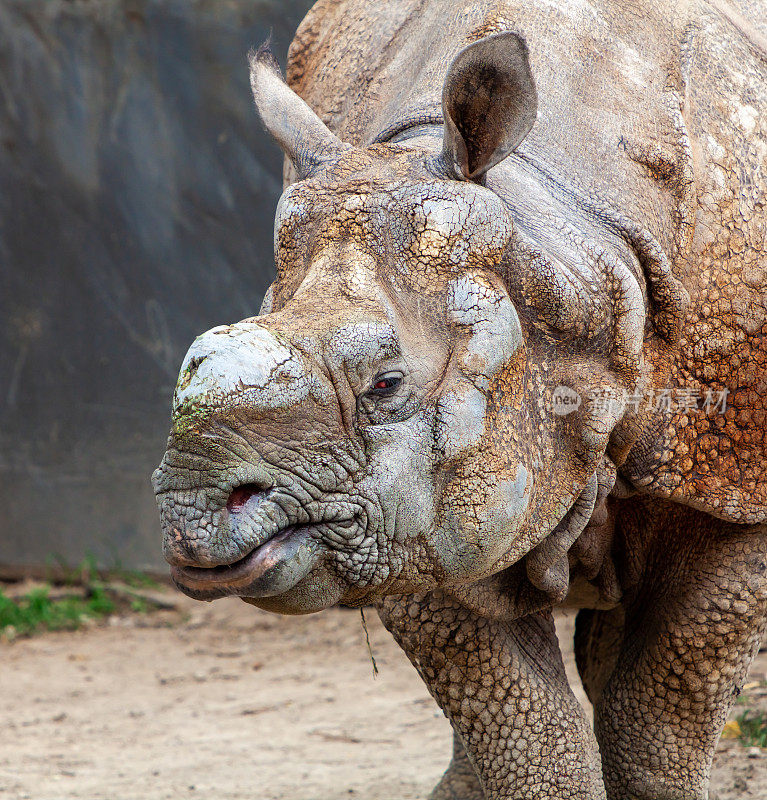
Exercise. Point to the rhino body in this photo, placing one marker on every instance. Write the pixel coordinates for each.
(514, 358)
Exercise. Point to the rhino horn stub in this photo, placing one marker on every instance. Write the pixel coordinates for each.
(489, 103)
(302, 135)
(243, 364)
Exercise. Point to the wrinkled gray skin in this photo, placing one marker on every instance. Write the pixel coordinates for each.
(490, 213)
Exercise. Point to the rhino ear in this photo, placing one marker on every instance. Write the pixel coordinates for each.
(302, 135)
(489, 103)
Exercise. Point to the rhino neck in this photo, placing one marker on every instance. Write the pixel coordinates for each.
(579, 237)
(550, 216)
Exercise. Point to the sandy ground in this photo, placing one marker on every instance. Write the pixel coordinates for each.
(226, 701)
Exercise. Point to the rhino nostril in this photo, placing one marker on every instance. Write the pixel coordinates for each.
(241, 494)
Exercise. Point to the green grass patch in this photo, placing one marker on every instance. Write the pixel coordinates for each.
(37, 611)
(753, 728)
(88, 572)
(134, 579)
(72, 596)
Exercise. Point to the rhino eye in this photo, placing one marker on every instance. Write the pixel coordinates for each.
(384, 385)
(389, 399)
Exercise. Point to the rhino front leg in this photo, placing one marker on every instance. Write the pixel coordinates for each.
(598, 641)
(692, 628)
(504, 689)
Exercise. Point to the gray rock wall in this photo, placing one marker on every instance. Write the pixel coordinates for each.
(137, 194)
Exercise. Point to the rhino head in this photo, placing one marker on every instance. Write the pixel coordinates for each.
(385, 425)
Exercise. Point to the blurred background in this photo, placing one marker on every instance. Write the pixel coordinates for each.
(137, 195)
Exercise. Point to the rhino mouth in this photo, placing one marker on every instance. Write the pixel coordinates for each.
(278, 560)
(269, 569)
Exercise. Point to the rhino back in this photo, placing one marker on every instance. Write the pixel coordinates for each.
(654, 109)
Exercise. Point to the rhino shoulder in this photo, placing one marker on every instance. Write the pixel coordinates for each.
(715, 457)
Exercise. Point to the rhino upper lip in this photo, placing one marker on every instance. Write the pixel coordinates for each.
(226, 573)
(240, 572)
(261, 560)
(236, 504)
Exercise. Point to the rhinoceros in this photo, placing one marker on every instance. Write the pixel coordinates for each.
(513, 359)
